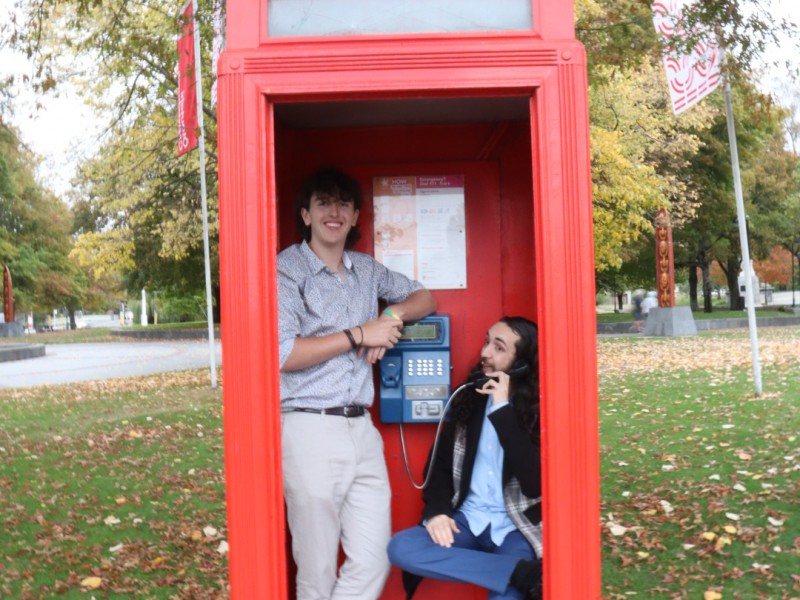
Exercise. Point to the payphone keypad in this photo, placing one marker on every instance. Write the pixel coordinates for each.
(426, 366)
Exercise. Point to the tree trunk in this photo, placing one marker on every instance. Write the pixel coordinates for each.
(71, 312)
(705, 268)
(620, 303)
(731, 270)
(707, 291)
(693, 286)
(216, 295)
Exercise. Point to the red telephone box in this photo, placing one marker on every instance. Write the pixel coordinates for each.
(388, 93)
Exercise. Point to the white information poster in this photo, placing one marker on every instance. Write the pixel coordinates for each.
(420, 228)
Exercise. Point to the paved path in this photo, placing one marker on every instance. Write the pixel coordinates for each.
(67, 363)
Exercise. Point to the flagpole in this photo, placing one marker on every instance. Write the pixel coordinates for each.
(745, 244)
(667, 24)
(212, 357)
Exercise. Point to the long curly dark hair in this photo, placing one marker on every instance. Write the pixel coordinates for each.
(524, 387)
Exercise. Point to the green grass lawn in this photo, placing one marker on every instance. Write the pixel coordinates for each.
(122, 480)
(73, 336)
(700, 478)
(96, 334)
(717, 314)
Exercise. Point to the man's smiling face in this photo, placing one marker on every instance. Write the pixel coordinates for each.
(330, 219)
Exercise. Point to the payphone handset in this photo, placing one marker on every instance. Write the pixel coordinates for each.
(415, 374)
(478, 379)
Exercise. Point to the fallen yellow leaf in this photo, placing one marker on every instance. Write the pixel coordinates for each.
(730, 529)
(92, 582)
(709, 535)
(642, 554)
(712, 595)
(723, 541)
(135, 434)
(197, 535)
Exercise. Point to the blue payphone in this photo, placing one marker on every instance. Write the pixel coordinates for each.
(415, 374)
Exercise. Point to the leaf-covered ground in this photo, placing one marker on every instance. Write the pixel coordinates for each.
(113, 489)
(116, 489)
(700, 477)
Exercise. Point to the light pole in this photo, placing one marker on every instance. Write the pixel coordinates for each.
(744, 269)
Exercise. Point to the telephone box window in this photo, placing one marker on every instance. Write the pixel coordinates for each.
(296, 18)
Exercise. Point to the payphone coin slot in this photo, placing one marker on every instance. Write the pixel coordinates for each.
(426, 410)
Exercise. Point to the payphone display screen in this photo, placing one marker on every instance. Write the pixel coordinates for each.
(421, 332)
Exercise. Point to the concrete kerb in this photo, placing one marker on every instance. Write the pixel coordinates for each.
(164, 334)
(9, 352)
(624, 327)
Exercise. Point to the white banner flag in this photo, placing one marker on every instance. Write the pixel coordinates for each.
(690, 77)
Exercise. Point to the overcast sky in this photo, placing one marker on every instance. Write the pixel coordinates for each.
(64, 131)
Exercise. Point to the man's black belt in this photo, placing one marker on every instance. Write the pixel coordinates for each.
(339, 411)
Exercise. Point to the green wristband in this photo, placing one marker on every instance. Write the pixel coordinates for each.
(391, 313)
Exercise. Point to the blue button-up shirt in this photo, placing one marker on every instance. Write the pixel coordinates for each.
(484, 505)
(314, 301)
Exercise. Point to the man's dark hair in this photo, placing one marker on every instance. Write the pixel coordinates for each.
(524, 387)
(334, 183)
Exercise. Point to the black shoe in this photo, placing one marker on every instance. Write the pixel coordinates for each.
(410, 583)
(527, 577)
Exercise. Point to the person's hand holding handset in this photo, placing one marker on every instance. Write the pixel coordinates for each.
(497, 386)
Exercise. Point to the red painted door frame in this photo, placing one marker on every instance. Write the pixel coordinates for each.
(546, 65)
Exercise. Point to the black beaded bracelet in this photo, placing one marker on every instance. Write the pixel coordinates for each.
(350, 337)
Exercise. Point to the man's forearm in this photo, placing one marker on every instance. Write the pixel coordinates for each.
(308, 352)
(419, 304)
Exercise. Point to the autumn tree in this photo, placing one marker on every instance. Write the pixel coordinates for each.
(139, 204)
(776, 269)
(635, 171)
(768, 180)
(640, 152)
(34, 234)
(145, 201)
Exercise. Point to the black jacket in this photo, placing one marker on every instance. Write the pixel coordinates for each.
(521, 459)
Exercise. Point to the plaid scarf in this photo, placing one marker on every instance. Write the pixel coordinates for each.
(516, 502)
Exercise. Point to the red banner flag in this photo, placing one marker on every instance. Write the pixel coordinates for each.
(690, 77)
(187, 94)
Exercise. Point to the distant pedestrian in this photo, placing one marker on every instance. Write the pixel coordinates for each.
(650, 301)
(638, 316)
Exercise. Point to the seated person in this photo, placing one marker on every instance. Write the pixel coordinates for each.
(482, 514)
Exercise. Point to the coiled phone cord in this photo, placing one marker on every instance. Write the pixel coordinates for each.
(435, 440)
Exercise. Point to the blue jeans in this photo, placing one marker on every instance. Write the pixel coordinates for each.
(471, 559)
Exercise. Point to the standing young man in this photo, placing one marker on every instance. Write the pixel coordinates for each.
(335, 481)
